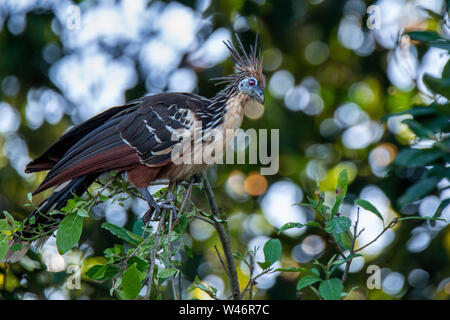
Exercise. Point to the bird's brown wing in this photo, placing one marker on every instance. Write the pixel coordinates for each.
(127, 140)
(57, 150)
(157, 127)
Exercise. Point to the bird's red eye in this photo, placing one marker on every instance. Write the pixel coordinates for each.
(251, 82)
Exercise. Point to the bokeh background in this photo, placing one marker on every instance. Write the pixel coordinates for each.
(331, 76)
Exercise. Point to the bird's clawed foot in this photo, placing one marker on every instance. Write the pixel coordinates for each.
(157, 207)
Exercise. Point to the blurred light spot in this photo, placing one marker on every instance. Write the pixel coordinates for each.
(316, 52)
(444, 285)
(297, 98)
(299, 255)
(240, 24)
(156, 54)
(255, 184)
(107, 81)
(320, 151)
(178, 25)
(419, 241)
(361, 93)
(10, 86)
(10, 118)
(329, 128)
(16, 24)
(280, 82)
(212, 51)
(313, 245)
(315, 169)
(350, 33)
(355, 7)
(254, 110)
(115, 214)
(51, 52)
(272, 59)
(418, 278)
(429, 205)
(255, 225)
(393, 283)
(362, 135)
(44, 103)
(279, 206)
(182, 80)
(200, 230)
(235, 186)
(315, 105)
(402, 67)
(380, 157)
(349, 114)
(16, 150)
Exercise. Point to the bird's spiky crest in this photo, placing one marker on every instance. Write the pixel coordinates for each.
(246, 64)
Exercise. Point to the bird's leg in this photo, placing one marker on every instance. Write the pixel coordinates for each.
(155, 207)
(152, 205)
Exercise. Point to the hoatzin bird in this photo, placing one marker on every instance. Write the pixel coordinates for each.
(137, 138)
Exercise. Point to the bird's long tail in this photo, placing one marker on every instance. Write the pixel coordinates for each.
(41, 222)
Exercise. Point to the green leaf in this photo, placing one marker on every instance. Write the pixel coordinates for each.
(167, 273)
(338, 225)
(331, 289)
(441, 207)
(307, 281)
(69, 232)
(272, 251)
(290, 269)
(415, 112)
(122, 233)
(290, 225)
(342, 183)
(424, 36)
(418, 190)
(4, 225)
(417, 157)
(102, 272)
(420, 218)
(131, 282)
(313, 224)
(368, 206)
(341, 191)
(96, 272)
(83, 213)
(4, 243)
(439, 86)
(141, 264)
(418, 129)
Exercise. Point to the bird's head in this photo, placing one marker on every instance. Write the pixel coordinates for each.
(248, 77)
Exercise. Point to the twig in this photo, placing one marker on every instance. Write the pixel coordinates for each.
(224, 237)
(355, 235)
(169, 249)
(153, 255)
(390, 225)
(220, 259)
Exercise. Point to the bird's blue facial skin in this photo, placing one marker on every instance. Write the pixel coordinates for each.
(250, 86)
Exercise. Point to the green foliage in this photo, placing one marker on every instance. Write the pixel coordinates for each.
(69, 232)
(430, 124)
(324, 283)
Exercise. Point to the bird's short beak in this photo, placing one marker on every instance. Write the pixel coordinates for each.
(258, 94)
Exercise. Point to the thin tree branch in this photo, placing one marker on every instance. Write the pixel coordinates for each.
(224, 237)
(153, 255)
